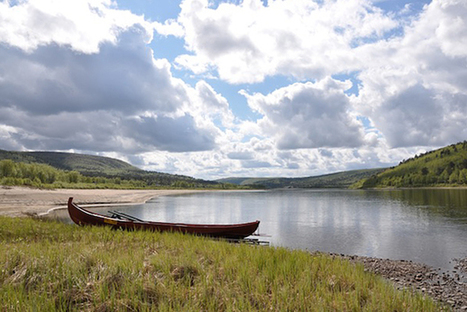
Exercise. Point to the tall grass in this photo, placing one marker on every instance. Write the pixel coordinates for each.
(47, 266)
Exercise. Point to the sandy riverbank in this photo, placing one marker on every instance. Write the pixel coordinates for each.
(19, 201)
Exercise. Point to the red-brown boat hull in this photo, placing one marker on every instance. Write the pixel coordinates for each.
(84, 217)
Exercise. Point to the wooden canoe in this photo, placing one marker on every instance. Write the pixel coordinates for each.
(82, 216)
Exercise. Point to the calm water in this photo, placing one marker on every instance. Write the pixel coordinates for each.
(428, 226)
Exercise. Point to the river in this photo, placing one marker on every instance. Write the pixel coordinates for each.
(422, 225)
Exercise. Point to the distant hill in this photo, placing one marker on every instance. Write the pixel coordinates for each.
(243, 180)
(446, 166)
(88, 164)
(442, 167)
(99, 166)
(334, 180)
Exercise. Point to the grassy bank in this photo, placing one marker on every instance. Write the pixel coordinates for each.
(46, 266)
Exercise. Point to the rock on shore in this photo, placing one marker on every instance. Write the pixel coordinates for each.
(449, 288)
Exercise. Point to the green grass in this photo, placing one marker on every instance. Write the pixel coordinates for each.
(48, 266)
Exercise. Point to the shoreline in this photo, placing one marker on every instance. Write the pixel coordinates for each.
(448, 288)
(22, 201)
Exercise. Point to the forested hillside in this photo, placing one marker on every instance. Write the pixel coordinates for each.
(442, 167)
(334, 180)
(88, 164)
(54, 169)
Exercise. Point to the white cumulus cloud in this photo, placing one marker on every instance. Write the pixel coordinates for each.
(81, 25)
(309, 115)
(91, 83)
(414, 88)
(304, 39)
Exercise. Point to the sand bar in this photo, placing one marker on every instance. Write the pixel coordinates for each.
(18, 201)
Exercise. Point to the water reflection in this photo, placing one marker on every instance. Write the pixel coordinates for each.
(426, 225)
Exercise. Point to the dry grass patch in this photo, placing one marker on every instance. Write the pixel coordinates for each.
(48, 266)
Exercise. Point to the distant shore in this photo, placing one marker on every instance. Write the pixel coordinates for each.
(20, 201)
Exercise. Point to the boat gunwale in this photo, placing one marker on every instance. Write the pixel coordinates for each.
(221, 230)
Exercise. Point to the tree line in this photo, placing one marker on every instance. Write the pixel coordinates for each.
(45, 176)
(42, 175)
(445, 166)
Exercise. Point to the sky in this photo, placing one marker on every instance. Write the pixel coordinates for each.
(234, 88)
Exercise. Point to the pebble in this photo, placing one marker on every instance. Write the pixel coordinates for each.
(446, 288)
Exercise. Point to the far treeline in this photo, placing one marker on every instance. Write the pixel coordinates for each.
(334, 180)
(45, 176)
(68, 170)
(442, 167)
